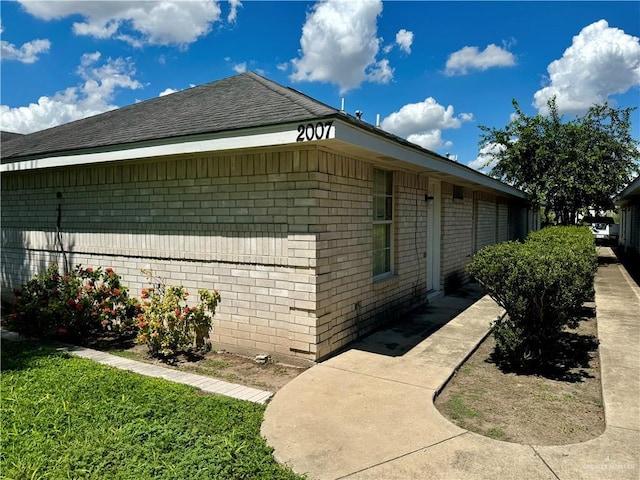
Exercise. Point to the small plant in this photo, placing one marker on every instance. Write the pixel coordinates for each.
(72, 305)
(167, 325)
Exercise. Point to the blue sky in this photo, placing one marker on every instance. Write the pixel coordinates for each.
(433, 71)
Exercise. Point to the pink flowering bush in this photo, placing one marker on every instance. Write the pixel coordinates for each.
(79, 303)
(167, 325)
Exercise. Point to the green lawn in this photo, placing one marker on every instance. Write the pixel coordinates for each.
(65, 417)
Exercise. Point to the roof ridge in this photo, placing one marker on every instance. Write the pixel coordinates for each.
(289, 93)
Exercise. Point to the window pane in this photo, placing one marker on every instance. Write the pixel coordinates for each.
(379, 263)
(379, 208)
(381, 249)
(387, 260)
(388, 208)
(379, 237)
(379, 179)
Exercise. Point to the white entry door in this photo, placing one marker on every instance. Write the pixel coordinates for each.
(434, 207)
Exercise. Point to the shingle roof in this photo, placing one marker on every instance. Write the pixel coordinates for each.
(6, 136)
(242, 101)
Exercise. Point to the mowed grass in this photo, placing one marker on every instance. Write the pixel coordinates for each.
(66, 417)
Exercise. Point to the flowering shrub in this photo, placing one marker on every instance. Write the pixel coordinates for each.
(74, 304)
(168, 326)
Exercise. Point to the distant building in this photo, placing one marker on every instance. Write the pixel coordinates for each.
(629, 204)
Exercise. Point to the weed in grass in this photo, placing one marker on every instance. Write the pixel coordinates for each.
(215, 364)
(466, 369)
(496, 433)
(458, 410)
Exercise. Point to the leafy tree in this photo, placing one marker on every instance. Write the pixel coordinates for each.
(566, 166)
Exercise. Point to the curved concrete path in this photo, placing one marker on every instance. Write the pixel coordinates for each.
(368, 413)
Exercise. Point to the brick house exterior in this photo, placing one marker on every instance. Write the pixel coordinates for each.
(314, 226)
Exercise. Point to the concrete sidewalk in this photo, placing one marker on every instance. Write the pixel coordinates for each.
(368, 413)
(204, 383)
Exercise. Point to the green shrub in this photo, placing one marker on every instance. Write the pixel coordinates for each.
(168, 326)
(72, 305)
(542, 284)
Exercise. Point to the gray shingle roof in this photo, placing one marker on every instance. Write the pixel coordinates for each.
(6, 136)
(242, 101)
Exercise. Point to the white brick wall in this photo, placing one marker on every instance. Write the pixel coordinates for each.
(236, 223)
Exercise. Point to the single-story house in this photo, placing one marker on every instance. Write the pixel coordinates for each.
(629, 205)
(314, 226)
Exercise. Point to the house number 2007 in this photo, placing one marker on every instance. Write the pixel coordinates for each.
(310, 131)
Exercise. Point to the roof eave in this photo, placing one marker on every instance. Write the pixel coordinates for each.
(338, 126)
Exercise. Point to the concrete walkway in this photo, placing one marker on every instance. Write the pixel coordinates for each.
(368, 413)
(204, 383)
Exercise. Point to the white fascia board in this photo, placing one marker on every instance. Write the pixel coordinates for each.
(632, 189)
(389, 148)
(286, 134)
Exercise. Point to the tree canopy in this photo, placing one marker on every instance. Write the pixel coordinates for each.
(569, 167)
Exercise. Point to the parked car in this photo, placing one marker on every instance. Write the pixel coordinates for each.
(604, 229)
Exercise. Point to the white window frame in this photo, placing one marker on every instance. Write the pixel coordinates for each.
(388, 209)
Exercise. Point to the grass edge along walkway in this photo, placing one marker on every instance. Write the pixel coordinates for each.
(68, 417)
(204, 383)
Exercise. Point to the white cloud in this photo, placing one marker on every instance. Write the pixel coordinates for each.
(233, 13)
(472, 58)
(240, 67)
(431, 140)
(27, 53)
(486, 157)
(422, 116)
(404, 39)
(422, 123)
(339, 44)
(94, 96)
(138, 23)
(167, 91)
(283, 66)
(380, 72)
(600, 62)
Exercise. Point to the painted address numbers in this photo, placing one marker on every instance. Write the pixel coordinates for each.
(309, 132)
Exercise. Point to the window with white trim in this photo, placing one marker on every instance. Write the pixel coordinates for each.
(382, 222)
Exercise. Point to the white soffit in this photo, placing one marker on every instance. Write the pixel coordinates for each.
(390, 148)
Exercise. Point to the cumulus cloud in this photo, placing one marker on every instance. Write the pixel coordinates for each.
(138, 23)
(404, 40)
(283, 66)
(240, 67)
(339, 44)
(600, 62)
(167, 91)
(486, 157)
(93, 96)
(422, 123)
(27, 53)
(431, 140)
(472, 58)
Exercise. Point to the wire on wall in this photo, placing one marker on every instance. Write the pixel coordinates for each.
(59, 233)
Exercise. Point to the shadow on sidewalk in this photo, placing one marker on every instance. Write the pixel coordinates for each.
(631, 263)
(397, 339)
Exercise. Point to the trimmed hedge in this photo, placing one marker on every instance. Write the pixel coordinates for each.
(542, 284)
